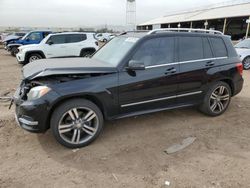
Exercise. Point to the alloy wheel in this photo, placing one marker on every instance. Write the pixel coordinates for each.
(246, 63)
(33, 58)
(219, 99)
(78, 125)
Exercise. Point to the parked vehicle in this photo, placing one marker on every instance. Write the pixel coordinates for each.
(12, 38)
(133, 74)
(68, 44)
(104, 37)
(33, 37)
(243, 49)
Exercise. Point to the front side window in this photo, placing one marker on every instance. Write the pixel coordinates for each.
(190, 48)
(156, 51)
(72, 38)
(218, 47)
(34, 36)
(56, 39)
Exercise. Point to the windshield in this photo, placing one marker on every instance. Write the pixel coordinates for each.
(243, 44)
(23, 38)
(115, 50)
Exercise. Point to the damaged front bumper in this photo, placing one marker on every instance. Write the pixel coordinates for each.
(33, 116)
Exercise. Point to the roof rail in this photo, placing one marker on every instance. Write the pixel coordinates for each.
(185, 30)
(135, 31)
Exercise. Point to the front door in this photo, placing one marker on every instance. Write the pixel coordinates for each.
(156, 86)
(55, 46)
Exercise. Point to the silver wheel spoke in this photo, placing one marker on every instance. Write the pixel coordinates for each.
(88, 131)
(74, 135)
(90, 115)
(220, 105)
(224, 97)
(213, 107)
(214, 96)
(73, 114)
(65, 128)
(221, 90)
(78, 136)
(89, 128)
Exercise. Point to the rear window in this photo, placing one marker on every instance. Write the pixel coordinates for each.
(218, 47)
(190, 48)
(207, 49)
(75, 38)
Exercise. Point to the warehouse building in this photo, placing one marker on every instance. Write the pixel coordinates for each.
(231, 19)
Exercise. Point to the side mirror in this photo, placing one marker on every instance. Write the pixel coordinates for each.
(136, 65)
(27, 39)
(50, 42)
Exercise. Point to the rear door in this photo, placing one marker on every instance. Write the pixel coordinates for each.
(156, 86)
(195, 58)
(74, 44)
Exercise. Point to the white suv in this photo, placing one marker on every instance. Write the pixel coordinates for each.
(67, 44)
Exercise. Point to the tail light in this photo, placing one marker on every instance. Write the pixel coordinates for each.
(240, 68)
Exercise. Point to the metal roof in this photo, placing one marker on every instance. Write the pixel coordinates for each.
(205, 14)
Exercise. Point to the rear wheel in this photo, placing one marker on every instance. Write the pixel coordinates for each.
(246, 63)
(14, 51)
(217, 99)
(34, 57)
(76, 123)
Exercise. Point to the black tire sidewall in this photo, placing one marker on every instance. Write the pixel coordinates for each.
(63, 108)
(205, 107)
(13, 49)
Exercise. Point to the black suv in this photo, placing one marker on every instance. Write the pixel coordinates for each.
(135, 73)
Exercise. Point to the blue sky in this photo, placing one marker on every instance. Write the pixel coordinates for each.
(75, 13)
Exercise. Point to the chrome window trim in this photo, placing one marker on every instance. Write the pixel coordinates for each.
(184, 62)
(161, 99)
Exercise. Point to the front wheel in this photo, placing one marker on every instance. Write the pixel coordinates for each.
(246, 63)
(217, 99)
(76, 123)
(34, 57)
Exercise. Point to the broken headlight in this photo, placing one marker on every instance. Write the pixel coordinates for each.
(37, 92)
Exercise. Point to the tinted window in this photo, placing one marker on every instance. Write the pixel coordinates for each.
(190, 48)
(34, 36)
(57, 39)
(219, 47)
(207, 49)
(156, 51)
(75, 38)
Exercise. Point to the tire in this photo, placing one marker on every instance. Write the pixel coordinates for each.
(217, 99)
(86, 53)
(34, 57)
(14, 51)
(76, 123)
(246, 63)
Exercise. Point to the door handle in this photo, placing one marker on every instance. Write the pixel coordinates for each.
(210, 64)
(170, 71)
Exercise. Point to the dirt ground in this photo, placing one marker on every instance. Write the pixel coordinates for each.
(130, 152)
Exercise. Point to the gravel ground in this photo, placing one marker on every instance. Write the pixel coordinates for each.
(130, 152)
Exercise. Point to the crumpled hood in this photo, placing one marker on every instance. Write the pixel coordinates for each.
(65, 66)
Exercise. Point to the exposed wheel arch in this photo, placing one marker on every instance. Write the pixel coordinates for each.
(87, 51)
(27, 55)
(91, 98)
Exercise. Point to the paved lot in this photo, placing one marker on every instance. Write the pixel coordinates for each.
(130, 152)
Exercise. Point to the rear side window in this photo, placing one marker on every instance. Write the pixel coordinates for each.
(156, 51)
(190, 48)
(75, 38)
(218, 47)
(207, 48)
(57, 39)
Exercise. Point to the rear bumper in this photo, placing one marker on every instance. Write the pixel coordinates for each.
(238, 85)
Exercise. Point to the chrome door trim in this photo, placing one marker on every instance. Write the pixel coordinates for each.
(161, 99)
